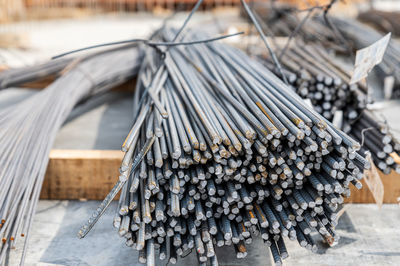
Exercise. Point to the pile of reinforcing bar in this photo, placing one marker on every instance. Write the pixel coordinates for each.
(320, 77)
(317, 76)
(29, 127)
(229, 153)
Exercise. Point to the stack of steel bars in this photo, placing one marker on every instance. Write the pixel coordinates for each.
(319, 77)
(324, 80)
(228, 152)
(28, 129)
(18, 76)
(375, 136)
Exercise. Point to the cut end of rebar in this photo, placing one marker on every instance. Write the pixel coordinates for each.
(176, 155)
(249, 135)
(81, 234)
(187, 148)
(300, 135)
(284, 132)
(321, 124)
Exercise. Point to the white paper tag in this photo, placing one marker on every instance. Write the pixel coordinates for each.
(368, 57)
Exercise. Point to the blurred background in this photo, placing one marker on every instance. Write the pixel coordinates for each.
(34, 30)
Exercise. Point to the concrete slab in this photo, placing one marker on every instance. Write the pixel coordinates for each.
(101, 123)
(369, 236)
(53, 240)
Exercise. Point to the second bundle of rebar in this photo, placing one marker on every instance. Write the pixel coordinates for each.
(317, 76)
(28, 129)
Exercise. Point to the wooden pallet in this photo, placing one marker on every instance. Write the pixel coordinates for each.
(81, 174)
(90, 174)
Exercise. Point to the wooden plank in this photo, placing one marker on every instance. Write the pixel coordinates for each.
(391, 184)
(81, 174)
(90, 174)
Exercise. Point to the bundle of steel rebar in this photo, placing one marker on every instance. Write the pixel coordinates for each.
(324, 80)
(18, 76)
(319, 77)
(29, 127)
(222, 151)
(375, 136)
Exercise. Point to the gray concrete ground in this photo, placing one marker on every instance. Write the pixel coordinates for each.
(369, 236)
(101, 123)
